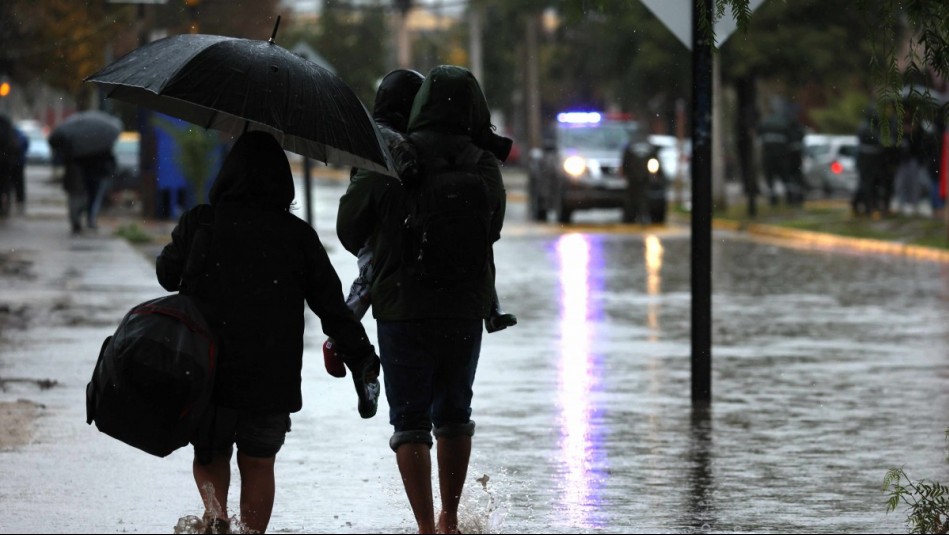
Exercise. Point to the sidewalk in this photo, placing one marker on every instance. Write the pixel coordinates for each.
(60, 296)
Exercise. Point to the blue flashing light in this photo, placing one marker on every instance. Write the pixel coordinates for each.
(579, 117)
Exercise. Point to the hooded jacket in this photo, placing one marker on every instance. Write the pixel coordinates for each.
(263, 266)
(448, 112)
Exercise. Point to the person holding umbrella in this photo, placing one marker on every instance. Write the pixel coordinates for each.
(265, 262)
(262, 266)
(85, 141)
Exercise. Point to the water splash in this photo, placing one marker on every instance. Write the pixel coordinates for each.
(480, 510)
(191, 524)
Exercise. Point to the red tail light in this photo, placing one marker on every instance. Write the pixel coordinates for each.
(836, 168)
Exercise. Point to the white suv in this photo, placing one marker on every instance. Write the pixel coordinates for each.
(830, 163)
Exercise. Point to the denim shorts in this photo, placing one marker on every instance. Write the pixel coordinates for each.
(428, 368)
(256, 434)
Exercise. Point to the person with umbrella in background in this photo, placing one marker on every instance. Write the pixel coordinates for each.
(85, 141)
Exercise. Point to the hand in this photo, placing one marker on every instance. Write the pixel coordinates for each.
(366, 367)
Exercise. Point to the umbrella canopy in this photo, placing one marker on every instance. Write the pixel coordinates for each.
(87, 132)
(238, 85)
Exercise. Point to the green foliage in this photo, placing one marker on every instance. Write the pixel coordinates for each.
(194, 157)
(928, 501)
(843, 116)
(134, 234)
(354, 38)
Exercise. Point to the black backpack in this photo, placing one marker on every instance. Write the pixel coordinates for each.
(446, 238)
(154, 377)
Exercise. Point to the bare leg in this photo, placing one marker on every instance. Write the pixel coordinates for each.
(453, 456)
(415, 465)
(217, 476)
(257, 491)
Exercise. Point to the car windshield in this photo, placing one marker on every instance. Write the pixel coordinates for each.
(126, 147)
(817, 150)
(603, 137)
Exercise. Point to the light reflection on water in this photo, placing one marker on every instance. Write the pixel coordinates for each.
(653, 251)
(819, 360)
(578, 373)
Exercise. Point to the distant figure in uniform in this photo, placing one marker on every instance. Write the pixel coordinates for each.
(774, 153)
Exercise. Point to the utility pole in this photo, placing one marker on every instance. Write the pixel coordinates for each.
(475, 44)
(532, 80)
(701, 202)
(403, 46)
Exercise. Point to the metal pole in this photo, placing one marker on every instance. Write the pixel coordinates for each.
(701, 202)
(308, 191)
(307, 178)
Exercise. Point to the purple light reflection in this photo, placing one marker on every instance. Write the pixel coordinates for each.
(579, 374)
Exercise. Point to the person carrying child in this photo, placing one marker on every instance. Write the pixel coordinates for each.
(391, 109)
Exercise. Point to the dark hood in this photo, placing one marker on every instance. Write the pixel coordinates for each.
(450, 101)
(255, 170)
(394, 98)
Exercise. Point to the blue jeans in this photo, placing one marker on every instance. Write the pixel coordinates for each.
(429, 367)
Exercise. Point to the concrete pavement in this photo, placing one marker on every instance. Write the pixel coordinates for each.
(60, 296)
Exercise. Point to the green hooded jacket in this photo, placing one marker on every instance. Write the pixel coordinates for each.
(448, 113)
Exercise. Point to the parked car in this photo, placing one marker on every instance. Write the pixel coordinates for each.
(126, 158)
(39, 151)
(830, 163)
(580, 166)
(673, 159)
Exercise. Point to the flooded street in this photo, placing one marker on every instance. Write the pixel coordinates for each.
(829, 368)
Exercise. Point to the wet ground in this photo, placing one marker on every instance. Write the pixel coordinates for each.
(828, 369)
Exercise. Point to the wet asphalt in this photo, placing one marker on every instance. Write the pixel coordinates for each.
(829, 368)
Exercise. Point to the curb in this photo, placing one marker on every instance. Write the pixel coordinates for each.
(823, 240)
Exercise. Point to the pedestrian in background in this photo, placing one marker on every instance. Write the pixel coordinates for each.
(911, 182)
(9, 155)
(73, 183)
(773, 133)
(19, 170)
(429, 338)
(98, 171)
(795, 191)
(264, 265)
(871, 164)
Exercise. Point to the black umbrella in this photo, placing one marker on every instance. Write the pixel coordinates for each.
(87, 132)
(238, 85)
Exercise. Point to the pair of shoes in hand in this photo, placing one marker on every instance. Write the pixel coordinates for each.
(367, 391)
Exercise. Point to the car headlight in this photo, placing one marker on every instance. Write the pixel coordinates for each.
(575, 166)
(652, 165)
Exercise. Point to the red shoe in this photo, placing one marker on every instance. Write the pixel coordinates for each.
(334, 364)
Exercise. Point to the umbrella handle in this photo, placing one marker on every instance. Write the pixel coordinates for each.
(275, 26)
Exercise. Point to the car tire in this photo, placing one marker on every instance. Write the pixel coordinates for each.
(657, 212)
(563, 212)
